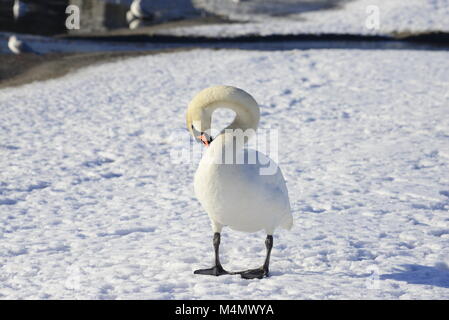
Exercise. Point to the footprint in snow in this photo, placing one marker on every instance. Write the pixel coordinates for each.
(37, 186)
(125, 232)
(97, 162)
(445, 193)
(111, 175)
(7, 202)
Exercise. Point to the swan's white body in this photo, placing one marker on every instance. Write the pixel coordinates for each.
(236, 195)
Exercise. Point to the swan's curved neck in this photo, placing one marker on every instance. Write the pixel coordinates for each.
(245, 122)
(199, 113)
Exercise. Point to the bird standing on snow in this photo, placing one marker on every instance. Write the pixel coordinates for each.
(18, 46)
(235, 194)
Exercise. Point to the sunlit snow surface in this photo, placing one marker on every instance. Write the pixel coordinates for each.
(93, 206)
(348, 17)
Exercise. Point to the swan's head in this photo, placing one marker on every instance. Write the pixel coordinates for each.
(199, 112)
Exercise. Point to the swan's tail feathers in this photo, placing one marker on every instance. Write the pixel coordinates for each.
(287, 221)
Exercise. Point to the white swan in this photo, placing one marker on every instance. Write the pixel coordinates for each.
(18, 46)
(235, 194)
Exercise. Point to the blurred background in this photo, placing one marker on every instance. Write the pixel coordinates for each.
(47, 17)
(38, 30)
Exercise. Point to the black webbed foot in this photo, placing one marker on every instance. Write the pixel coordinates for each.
(258, 273)
(214, 271)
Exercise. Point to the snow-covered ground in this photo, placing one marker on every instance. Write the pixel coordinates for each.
(93, 206)
(411, 16)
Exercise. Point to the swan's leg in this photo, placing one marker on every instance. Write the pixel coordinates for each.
(216, 270)
(261, 272)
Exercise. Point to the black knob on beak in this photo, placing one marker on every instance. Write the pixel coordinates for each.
(202, 137)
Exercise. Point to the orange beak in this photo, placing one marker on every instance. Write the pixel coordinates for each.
(202, 136)
(204, 140)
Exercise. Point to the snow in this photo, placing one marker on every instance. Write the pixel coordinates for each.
(348, 17)
(93, 204)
